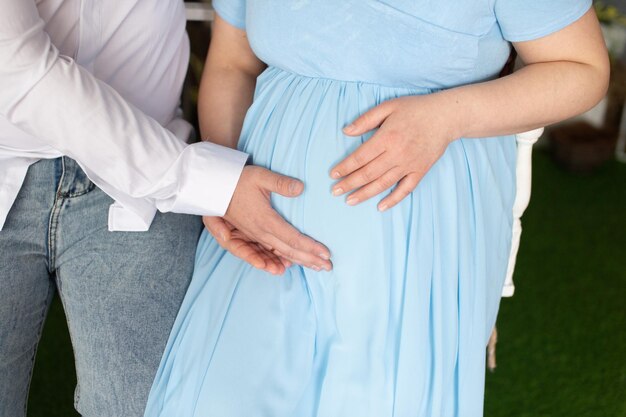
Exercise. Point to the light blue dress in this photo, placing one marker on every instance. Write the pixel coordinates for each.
(399, 327)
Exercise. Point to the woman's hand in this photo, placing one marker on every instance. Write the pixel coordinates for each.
(566, 73)
(413, 134)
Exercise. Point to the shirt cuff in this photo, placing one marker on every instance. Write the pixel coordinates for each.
(206, 180)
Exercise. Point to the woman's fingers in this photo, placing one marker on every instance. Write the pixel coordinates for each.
(369, 120)
(409, 140)
(364, 175)
(363, 155)
(379, 185)
(403, 189)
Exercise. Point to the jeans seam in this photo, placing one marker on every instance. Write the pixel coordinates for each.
(53, 220)
(89, 188)
(42, 320)
(59, 287)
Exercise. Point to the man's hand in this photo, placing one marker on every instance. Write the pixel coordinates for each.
(243, 247)
(253, 231)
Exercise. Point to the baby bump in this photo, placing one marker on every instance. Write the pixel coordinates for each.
(458, 216)
(294, 128)
(438, 256)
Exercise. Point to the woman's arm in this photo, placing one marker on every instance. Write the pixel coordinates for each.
(566, 73)
(227, 85)
(226, 93)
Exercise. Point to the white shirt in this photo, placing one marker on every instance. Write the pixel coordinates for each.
(99, 81)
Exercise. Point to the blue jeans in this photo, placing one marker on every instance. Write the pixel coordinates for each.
(120, 291)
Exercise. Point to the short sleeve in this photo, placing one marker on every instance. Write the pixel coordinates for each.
(524, 20)
(232, 11)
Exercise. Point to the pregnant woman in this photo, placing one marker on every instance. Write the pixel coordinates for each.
(398, 326)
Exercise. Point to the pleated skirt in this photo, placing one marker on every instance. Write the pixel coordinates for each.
(397, 328)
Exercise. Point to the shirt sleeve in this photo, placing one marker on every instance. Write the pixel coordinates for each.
(232, 11)
(524, 20)
(121, 149)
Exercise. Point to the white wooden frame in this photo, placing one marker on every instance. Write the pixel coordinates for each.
(523, 176)
(523, 180)
(199, 12)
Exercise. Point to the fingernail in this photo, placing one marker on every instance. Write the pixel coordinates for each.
(335, 174)
(338, 191)
(324, 256)
(294, 187)
(316, 268)
(352, 201)
(222, 236)
(383, 207)
(349, 128)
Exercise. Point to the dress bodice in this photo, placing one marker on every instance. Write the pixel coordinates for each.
(429, 44)
(392, 42)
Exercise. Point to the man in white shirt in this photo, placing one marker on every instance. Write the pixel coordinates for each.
(90, 144)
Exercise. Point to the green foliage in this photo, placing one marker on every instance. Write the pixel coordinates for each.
(609, 14)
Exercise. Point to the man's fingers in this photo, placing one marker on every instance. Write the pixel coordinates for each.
(245, 251)
(285, 257)
(218, 227)
(239, 245)
(250, 211)
(273, 263)
(369, 120)
(295, 246)
(286, 262)
(255, 255)
(281, 184)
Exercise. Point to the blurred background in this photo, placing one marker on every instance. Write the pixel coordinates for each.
(562, 337)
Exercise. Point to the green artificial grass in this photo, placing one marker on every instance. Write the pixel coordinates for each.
(54, 378)
(562, 342)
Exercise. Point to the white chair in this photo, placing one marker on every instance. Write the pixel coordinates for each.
(199, 12)
(523, 175)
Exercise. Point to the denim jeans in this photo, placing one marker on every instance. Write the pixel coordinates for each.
(120, 290)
